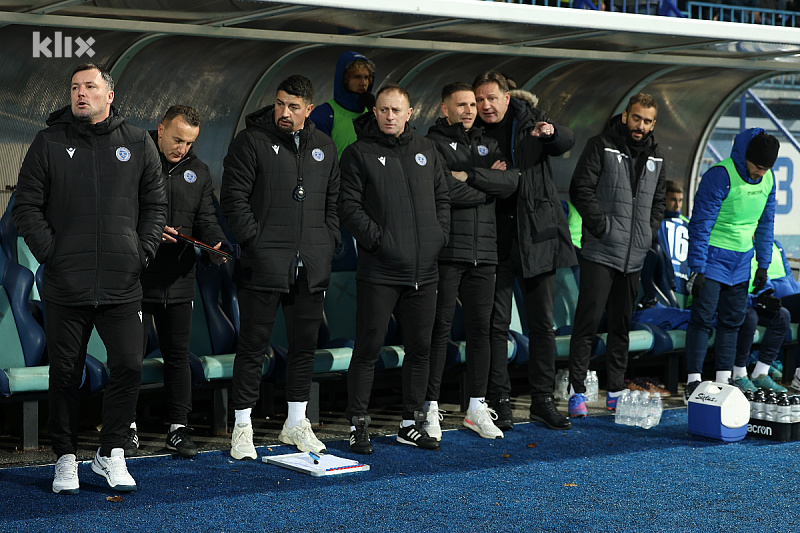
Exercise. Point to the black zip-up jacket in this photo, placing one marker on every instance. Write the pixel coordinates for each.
(261, 172)
(473, 232)
(543, 234)
(621, 202)
(394, 202)
(91, 207)
(170, 276)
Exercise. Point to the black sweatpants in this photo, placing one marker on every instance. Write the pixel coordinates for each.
(538, 294)
(173, 323)
(68, 329)
(303, 312)
(475, 286)
(602, 287)
(417, 311)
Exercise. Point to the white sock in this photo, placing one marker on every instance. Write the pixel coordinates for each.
(352, 428)
(133, 425)
(433, 403)
(761, 369)
(694, 377)
(740, 372)
(173, 427)
(243, 416)
(475, 403)
(723, 376)
(406, 423)
(297, 412)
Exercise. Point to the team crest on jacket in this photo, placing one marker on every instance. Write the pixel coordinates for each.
(189, 176)
(123, 154)
(651, 165)
(482, 150)
(317, 154)
(421, 160)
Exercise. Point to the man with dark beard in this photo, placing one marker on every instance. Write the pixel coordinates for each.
(618, 187)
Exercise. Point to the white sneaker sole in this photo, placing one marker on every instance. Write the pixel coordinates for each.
(477, 429)
(288, 440)
(243, 455)
(70, 491)
(97, 469)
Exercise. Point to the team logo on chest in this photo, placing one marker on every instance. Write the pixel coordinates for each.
(123, 154)
(71, 152)
(189, 176)
(651, 165)
(382, 159)
(317, 154)
(482, 150)
(454, 146)
(275, 147)
(421, 160)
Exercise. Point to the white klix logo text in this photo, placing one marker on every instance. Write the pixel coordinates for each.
(71, 152)
(62, 46)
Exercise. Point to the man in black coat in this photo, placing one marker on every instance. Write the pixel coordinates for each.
(168, 283)
(394, 202)
(618, 187)
(91, 207)
(476, 173)
(532, 242)
(279, 191)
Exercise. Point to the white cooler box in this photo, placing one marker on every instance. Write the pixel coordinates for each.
(718, 411)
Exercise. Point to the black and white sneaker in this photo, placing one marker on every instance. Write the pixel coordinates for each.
(415, 435)
(359, 439)
(131, 443)
(689, 390)
(180, 441)
(505, 418)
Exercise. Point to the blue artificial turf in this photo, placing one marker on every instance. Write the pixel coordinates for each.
(597, 477)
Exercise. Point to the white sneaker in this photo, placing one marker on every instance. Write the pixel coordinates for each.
(115, 470)
(795, 383)
(242, 442)
(66, 478)
(302, 436)
(481, 421)
(432, 418)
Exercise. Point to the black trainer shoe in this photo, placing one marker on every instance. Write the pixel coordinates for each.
(416, 435)
(131, 443)
(359, 439)
(544, 410)
(180, 441)
(505, 419)
(687, 392)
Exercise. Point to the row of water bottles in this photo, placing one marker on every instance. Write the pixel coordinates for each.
(562, 386)
(639, 408)
(774, 407)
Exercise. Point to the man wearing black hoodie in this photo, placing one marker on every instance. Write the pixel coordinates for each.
(533, 240)
(168, 283)
(618, 187)
(476, 173)
(394, 201)
(91, 208)
(279, 191)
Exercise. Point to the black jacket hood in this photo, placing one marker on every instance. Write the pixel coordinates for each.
(65, 116)
(366, 127)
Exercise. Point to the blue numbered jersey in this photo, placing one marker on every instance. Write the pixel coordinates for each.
(673, 236)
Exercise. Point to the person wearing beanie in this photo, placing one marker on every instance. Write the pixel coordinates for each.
(618, 188)
(732, 220)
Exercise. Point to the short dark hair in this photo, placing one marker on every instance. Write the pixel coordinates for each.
(674, 187)
(644, 100)
(297, 85)
(491, 76)
(187, 113)
(455, 87)
(393, 87)
(103, 72)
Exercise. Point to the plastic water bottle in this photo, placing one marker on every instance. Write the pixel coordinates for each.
(623, 406)
(795, 401)
(759, 411)
(633, 415)
(595, 387)
(562, 385)
(784, 410)
(748, 394)
(653, 413)
(644, 411)
(771, 408)
(592, 387)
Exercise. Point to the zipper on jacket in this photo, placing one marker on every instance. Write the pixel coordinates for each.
(169, 216)
(299, 164)
(474, 209)
(633, 213)
(96, 220)
(413, 215)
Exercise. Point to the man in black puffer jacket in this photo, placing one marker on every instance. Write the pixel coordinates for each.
(618, 187)
(91, 207)
(532, 242)
(168, 283)
(394, 201)
(475, 172)
(279, 193)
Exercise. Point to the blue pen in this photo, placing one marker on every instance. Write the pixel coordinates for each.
(315, 457)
